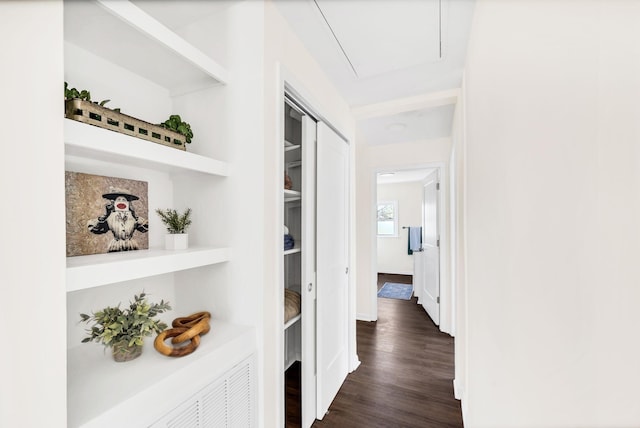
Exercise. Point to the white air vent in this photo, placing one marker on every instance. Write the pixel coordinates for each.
(229, 402)
(215, 408)
(186, 416)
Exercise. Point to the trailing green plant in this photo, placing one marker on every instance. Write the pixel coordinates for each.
(175, 222)
(112, 324)
(73, 93)
(175, 123)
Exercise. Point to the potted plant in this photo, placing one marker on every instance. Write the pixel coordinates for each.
(177, 225)
(173, 132)
(124, 330)
(175, 123)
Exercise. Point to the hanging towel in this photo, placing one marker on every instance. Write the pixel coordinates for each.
(414, 239)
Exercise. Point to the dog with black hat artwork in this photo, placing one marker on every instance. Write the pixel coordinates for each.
(105, 214)
(120, 219)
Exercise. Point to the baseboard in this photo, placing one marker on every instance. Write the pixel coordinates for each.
(354, 364)
(364, 317)
(457, 389)
(463, 407)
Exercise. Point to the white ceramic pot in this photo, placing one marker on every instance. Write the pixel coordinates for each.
(178, 241)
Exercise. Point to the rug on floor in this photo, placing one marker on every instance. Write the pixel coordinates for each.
(393, 290)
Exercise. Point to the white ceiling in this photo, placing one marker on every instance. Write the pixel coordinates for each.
(404, 176)
(385, 51)
(396, 62)
(176, 14)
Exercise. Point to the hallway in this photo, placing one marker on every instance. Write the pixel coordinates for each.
(406, 375)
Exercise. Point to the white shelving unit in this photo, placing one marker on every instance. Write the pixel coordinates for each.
(292, 321)
(292, 195)
(101, 392)
(292, 147)
(293, 219)
(150, 380)
(152, 50)
(92, 142)
(296, 249)
(96, 270)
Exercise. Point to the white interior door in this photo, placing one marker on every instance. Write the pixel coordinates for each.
(430, 296)
(308, 288)
(332, 265)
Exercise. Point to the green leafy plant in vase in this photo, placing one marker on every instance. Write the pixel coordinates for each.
(177, 225)
(124, 330)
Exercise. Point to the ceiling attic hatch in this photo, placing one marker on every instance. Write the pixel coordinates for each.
(378, 37)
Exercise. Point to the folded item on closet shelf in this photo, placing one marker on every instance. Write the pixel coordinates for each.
(286, 230)
(291, 304)
(289, 242)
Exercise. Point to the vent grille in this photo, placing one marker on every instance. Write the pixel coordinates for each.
(214, 408)
(187, 417)
(239, 393)
(226, 402)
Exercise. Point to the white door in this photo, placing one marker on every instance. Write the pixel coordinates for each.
(332, 265)
(308, 289)
(430, 296)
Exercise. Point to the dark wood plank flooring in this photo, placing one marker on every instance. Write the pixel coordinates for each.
(405, 378)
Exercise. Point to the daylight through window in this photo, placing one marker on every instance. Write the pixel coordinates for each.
(388, 218)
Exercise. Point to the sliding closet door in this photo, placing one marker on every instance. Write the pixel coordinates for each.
(332, 264)
(308, 289)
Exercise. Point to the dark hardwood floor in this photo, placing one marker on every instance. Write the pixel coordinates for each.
(405, 378)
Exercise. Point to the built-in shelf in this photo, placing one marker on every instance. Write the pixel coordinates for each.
(289, 363)
(101, 269)
(292, 321)
(90, 141)
(293, 164)
(293, 147)
(152, 50)
(295, 249)
(292, 195)
(103, 393)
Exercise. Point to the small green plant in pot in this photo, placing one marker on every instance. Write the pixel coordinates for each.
(177, 225)
(124, 330)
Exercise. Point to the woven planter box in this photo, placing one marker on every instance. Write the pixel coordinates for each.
(94, 114)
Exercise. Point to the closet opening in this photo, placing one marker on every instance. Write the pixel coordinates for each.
(298, 255)
(314, 271)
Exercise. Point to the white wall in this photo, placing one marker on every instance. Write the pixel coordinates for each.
(392, 251)
(33, 369)
(370, 159)
(553, 210)
(285, 57)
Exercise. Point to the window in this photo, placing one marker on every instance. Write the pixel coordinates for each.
(388, 218)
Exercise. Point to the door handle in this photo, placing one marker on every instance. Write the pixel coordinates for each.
(310, 286)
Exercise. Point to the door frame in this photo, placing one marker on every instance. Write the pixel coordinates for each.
(290, 85)
(447, 302)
